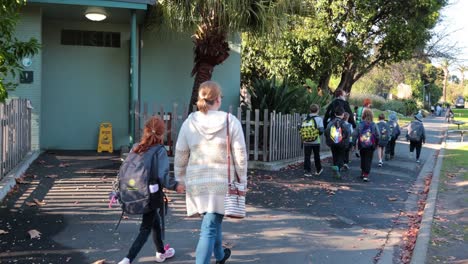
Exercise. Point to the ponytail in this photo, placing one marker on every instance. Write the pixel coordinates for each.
(208, 92)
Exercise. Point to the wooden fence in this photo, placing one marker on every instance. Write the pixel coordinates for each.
(15, 133)
(269, 136)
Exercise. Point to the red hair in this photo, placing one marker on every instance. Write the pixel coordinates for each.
(367, 102)
(153, 134)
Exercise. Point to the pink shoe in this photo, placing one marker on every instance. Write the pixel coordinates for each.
(170, 252)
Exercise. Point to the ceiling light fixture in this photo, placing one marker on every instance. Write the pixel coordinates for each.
(95, 14)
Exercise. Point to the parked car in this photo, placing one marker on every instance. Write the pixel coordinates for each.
(460, 102)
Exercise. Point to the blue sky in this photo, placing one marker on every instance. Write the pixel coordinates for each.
(455, 20)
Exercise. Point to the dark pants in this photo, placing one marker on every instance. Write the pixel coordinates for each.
(366, 159)
(346, 155)
(150, 222)
(338, 154)
(417, 145)
(390, 149)
(307, 153)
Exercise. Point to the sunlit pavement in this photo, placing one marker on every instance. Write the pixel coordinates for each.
(291, 219)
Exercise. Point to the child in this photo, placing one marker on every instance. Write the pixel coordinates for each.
(367, 137)
(395, 133)
(313, 119)
(152, 137)
(349, 147)
(384, 132)
(337, 137)
(416, 135)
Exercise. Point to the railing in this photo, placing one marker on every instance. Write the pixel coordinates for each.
(15, 133)
(269, 136)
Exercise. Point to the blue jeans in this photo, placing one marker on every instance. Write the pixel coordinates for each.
(211, 236)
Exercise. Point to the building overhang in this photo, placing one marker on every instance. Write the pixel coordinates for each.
(136, 4)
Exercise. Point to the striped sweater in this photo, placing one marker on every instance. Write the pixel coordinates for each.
(201, 160)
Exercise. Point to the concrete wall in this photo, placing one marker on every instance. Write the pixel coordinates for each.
(30, 26)
(166, 64)
(83, 86)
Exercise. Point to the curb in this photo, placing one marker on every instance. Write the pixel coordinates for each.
(9, 181)
(424, 234)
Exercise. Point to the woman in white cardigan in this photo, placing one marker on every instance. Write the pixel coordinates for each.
(201, 166)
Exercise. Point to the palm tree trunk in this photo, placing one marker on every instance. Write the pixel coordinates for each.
(203, 74)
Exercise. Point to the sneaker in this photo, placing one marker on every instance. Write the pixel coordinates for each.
(336, 171)
(357, 154)
(124, 261)
(308, 174)
(317, 173)
(346, 166)
(365, 177)
(227, 254)
(418, 161)
(380, 163)
(161, 257)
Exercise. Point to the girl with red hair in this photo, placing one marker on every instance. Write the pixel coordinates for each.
(154, 156)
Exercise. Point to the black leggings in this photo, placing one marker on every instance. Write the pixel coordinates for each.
(417, 145)
(150, 222)
(366, 159)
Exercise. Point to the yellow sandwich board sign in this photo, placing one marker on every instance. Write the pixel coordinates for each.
(105, 138)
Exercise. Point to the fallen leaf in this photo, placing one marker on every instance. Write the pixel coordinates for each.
(34, 234)
(30, 204)
(20, 180)
(101, 261)
(392, 199)
(39, 203)
(2, 232)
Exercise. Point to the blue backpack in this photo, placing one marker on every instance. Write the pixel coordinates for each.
(366, 136)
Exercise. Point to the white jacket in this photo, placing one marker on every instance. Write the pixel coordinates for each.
(201, 160)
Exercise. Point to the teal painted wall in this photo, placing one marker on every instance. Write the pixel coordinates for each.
(30, 26)
(166, 64)
(82, 87)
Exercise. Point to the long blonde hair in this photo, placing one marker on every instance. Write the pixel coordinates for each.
(208, 93)
(367, 115)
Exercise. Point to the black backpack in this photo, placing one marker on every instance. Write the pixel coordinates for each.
(132, 185)
(337, 134)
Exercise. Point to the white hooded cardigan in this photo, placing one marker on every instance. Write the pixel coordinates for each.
(201, 160)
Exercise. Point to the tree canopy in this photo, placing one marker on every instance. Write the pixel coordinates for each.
(347, 38)
(11, 49)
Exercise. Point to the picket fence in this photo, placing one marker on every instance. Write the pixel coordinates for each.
(15, 133)
(269, 136)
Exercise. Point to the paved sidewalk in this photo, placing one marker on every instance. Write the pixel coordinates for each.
(292, 219)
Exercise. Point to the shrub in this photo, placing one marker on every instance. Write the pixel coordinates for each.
(377, 101)
(283, 97)
(410, 107)
(395, 105)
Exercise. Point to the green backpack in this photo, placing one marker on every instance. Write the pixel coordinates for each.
(309, 131)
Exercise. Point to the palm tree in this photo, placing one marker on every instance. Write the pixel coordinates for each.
(213, 21)
(462, 69)
(445, 67)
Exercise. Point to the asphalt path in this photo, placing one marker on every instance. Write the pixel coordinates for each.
(291, 218)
